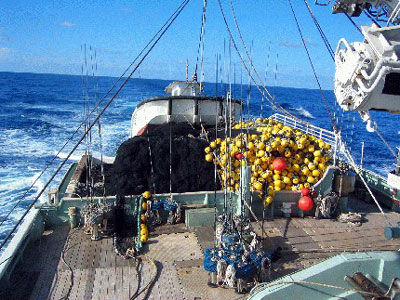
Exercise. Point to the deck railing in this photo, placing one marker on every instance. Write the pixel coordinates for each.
(324, 134)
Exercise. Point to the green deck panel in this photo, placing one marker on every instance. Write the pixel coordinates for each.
(199, 217)
(382, 266)
(384, 192)
(67, 178)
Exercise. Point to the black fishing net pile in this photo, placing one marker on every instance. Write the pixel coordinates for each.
(132, 172)
(96, 179)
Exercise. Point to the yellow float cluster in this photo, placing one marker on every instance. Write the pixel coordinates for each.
(307, 157)
(144, 232)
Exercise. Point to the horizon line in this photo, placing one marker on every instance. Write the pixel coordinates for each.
(169, 80)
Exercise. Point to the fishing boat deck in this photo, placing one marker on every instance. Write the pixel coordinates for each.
(93, 271)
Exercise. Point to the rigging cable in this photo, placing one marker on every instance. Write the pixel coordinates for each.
(170, 159)
(245, 48)
(328, 47)
(358, 170)
(230, 122)
(271, 100)
(358, 28)
(313, 69)
(351, 21)
(217, 106)
(96, 108)
(96, 85)
(368, 14)
(345, 151)
(394, 15)
(384, 141)
(321, 32)
(200, 49)
(176, 14)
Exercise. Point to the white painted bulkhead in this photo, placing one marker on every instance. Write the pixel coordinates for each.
(156, 111)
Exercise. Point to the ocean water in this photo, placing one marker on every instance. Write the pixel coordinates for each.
(39, 112)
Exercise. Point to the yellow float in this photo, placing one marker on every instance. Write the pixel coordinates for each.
(307, 157)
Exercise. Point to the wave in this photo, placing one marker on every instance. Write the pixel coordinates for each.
(305, 113)
(64, 155)
(299, 110)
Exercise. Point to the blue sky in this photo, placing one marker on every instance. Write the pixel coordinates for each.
(46, 36)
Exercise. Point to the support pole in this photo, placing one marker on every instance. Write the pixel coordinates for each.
(244, 196)
(362, 155)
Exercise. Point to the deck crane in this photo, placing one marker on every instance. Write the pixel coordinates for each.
(367, 75)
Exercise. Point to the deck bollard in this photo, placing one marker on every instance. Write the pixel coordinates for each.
(392, 232)
(73, 216)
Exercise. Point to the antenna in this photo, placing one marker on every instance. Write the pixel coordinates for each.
(187, 70)
(276, 68)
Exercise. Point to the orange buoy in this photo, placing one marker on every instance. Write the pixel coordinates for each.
(239, 156)
(279, 164)
(306, 203)
(304, 191)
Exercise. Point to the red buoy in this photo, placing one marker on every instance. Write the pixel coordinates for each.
(306, 203)
(279, 164)
(239, 156)
(304, 191)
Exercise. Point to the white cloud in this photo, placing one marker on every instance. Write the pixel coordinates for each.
(67, 24)
(296, 44)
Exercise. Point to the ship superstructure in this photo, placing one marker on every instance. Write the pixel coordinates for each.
(287, 196)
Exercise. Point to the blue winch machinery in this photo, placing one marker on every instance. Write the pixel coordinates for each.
(237, 260)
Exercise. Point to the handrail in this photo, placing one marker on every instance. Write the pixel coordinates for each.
(324, 134)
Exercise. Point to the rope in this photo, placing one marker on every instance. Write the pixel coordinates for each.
(151, 161)
(368, 14)
(138, 277)
(357, 169)
(176, 14)
(240, 56)
(394, 14)
(321, 32)
(200, 48)
(151, 282)
(313, 69)
(384, 140)
(91, 112)
(170, 160)
(350, 218)
(255, 218)
(271, 100)
(351, 21)
(345, 150)
(215, 164)
(99, 126)
(274, 103)
(65, 249)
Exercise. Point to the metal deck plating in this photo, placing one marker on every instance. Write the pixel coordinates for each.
(98, 273)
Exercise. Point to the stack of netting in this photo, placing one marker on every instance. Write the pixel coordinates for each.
(144, 163)
(281, 158)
